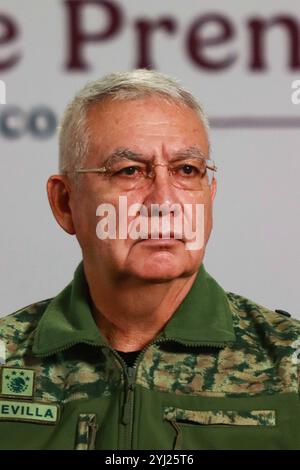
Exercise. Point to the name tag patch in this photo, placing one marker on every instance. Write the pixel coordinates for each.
(17, 382)
(16, 410)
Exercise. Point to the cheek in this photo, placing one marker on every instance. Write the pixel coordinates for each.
(84, 216)
(208, 222)
(127, 212)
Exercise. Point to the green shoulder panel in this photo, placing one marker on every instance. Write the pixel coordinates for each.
(272, 335)
(269, 326)
(71, 374)
(17, 330)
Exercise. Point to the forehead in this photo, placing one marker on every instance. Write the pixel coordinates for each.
(145, 125)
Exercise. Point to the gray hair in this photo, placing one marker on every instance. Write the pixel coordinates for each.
(74, 136)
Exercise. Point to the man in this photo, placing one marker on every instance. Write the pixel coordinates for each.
(143, 349)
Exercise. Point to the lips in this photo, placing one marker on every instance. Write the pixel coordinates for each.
(161, 236)
(162, 239)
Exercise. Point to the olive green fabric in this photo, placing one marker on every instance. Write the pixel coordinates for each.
(221, 374)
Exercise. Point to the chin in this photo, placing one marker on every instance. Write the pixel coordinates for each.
(161, 267)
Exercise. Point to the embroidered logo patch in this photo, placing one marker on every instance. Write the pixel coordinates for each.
(16, 410)
(17, 382)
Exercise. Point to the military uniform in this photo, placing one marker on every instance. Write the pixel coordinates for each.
(221, 374)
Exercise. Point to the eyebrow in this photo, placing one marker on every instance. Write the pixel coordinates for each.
(190, 152)
(127, 154)
(123, 154)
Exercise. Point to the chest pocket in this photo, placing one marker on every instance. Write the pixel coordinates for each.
(190, 424)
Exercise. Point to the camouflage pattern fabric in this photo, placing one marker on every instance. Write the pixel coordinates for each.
(217, 417)
(258, 361)
(217, 346)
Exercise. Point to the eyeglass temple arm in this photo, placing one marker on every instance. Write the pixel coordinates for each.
(92, 170)
(213, 168)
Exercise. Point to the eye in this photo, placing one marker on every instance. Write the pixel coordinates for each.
(194, 168)
(189, 170)
(128, 171)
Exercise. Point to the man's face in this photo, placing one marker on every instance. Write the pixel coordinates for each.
(156, 130)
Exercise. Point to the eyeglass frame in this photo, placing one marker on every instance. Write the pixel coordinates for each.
(105, 169)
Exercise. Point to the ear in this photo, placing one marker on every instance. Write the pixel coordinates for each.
(59, 192)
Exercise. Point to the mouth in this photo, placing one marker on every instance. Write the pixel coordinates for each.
(160, 240)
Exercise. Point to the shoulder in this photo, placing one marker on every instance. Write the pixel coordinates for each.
(268, 335)
(18, 328)
(277, 327)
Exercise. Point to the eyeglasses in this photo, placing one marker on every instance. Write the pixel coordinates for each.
(190, 174)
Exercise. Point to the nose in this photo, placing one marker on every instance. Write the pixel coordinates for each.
(161, 190)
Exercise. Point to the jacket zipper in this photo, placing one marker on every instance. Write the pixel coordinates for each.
(130, 374)
(127, 414)
(126, 421)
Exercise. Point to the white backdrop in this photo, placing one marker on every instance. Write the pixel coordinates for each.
(254, 248)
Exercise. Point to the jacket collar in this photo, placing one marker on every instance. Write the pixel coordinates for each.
(203, 318)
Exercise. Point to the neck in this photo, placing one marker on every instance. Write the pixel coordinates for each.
(131, 314)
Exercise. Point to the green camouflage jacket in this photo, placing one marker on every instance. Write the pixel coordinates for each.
(222, 374)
